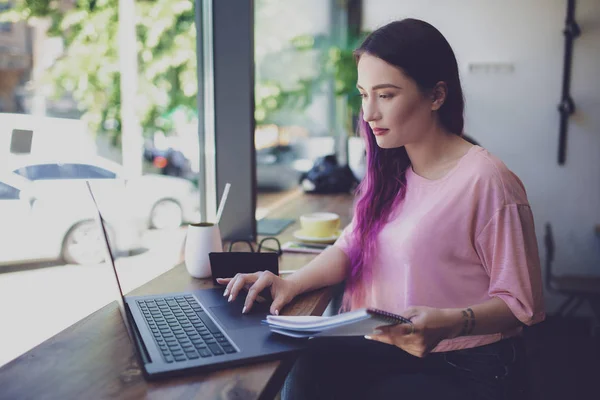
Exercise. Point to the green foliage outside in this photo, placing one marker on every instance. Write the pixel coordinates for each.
(339, 65)
(166, 36)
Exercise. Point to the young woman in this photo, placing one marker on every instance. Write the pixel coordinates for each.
(442, 234)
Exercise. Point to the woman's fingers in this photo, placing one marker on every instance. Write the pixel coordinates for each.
(224, 281)
(383, 338)
(278, 303)
(240, 280)
(265, 280)
(231, 282)
(391, 334)
(403, 329)
(255, 283)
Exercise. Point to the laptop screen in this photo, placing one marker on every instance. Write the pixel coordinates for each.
(109, 259)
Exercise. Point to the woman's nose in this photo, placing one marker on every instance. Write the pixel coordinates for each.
(370, 112)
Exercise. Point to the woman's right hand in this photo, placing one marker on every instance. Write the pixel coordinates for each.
(282, 290)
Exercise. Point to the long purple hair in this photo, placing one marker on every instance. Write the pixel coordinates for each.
(424, 55)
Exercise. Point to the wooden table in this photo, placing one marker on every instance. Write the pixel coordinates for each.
(94, 359)
(340, 204)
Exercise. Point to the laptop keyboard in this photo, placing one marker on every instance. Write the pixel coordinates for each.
(182, 329)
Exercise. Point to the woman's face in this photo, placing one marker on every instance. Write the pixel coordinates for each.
(392, 104)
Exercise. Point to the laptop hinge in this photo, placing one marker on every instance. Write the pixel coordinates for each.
(145, 357)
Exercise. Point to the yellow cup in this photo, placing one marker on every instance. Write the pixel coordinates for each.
(320, 224)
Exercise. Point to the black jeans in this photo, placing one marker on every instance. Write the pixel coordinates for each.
(356, 368)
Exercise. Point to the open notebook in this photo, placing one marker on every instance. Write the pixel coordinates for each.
(354, 323)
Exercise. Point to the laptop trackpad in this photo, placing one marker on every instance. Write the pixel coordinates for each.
(230, 316)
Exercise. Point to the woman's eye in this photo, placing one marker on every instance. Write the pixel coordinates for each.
(385, 96)
(363, 95)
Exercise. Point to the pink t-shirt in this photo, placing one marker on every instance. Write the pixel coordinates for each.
(456, 242)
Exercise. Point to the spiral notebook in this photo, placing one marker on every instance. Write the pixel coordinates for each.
(354, 323)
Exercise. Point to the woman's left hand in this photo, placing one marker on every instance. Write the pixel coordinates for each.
(429, 327)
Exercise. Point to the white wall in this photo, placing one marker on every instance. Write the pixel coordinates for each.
(514, 115)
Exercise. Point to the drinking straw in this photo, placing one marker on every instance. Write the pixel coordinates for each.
(222, 203)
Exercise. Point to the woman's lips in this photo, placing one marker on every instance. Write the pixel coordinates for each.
(379, 131)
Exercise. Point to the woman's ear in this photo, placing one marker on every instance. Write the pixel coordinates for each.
(438, 95)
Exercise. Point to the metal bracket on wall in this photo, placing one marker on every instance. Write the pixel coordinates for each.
(567, 107)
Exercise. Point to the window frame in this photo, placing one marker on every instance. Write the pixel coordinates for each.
(225, 59)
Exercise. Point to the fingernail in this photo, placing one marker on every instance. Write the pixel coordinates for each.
(276, 312)
(226, 292)
(368, 337)
(230, 298)
(244, 310)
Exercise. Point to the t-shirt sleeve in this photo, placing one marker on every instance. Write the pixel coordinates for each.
(508, 250)
(344, 242)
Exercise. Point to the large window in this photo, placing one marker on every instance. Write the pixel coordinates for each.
(306, 96)
(293, 109)
(141, 126)
(127, 122)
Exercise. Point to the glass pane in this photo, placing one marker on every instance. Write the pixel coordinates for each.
(74, 108)
(294, 112)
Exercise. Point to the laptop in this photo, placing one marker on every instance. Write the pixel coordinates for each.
(197, 331)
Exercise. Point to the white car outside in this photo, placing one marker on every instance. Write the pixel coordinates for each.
(39, 135)
(47, 225)
(165, 202)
